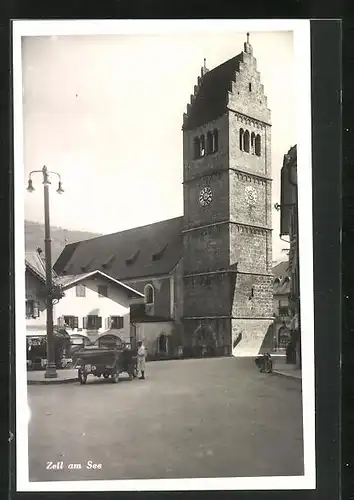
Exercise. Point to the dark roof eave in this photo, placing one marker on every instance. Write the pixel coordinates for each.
(35, 273)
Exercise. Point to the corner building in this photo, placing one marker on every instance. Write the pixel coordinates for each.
(218, 256)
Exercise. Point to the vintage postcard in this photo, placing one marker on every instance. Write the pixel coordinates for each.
(163, 191)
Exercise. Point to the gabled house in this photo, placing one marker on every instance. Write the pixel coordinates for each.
(93, 303)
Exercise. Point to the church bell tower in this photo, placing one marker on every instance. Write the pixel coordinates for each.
(227, 233)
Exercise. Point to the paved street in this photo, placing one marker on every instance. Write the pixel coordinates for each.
(190, 418)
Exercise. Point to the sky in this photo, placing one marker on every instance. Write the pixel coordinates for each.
(106, 111)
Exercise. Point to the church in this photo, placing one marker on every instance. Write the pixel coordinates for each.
(206, 276)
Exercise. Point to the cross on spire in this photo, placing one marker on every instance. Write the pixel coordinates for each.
(248, 38)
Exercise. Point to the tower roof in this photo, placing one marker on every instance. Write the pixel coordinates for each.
(211, 96)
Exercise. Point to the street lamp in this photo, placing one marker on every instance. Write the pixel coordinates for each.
(51, 371)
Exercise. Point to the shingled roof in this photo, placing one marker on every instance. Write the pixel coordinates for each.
(211, 97)
(149, 250)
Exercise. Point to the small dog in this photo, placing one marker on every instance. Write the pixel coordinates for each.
(264, 363)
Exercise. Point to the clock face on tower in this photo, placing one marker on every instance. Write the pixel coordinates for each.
(205, 196)
(251, 195)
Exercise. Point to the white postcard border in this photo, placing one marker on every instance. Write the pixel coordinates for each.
(301, 29)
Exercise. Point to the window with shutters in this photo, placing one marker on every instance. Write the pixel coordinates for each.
(92, 322)
(102, 290)
(80, 290)
(71, 321)
(116, 322)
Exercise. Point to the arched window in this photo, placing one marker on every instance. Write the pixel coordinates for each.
(202, 145)
(241, 138)
(215, 140)
(196, 147)
(253, 143)
(258, 145)
(149, 294)
(210, 141)
(246, 142)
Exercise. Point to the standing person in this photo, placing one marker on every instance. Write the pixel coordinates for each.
(141, 360)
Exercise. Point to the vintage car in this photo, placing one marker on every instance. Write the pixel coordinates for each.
(105, 361)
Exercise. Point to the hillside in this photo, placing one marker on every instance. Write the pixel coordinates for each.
(34, 237)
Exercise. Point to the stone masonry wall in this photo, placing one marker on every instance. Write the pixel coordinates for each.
(193, 167)
(248, 249)
(247, 95)
(239, 159)
(194, 213)
(206, 249)
(220, 329)
(207, 295)
(240, 210)
(253, 296)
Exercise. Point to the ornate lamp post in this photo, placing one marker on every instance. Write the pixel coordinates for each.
(51, 371)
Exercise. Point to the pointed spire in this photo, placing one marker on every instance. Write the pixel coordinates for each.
(204, 68)
(247, 46)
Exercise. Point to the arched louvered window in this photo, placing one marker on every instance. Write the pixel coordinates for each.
(258, 145)
(215, 140)
(246, 142)
(202, 145)
(210, 148)
(149, 294)
(241, 138)
(253, 143)
(196, 147)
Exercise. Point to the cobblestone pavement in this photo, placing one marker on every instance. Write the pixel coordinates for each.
(190, 418)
